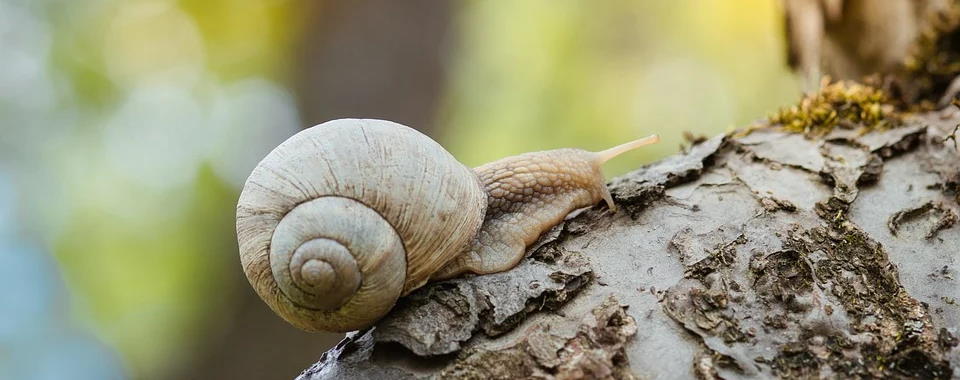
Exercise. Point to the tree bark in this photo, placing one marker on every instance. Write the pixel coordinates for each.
(765, 255)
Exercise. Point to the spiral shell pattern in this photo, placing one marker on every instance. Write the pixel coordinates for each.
(343, 218)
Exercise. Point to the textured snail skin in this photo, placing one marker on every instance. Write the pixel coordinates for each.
(342, 219)
(527, 195)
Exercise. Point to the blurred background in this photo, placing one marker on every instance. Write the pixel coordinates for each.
(127, 128)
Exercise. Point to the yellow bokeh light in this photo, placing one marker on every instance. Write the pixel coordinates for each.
(152, 40)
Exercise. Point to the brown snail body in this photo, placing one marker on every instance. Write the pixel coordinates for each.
(343, 218)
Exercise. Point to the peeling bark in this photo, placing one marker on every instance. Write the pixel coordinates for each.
(945, 218)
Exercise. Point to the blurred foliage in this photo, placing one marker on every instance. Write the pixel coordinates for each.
(130, 125)
(144, 118)
(185, 117)
(534, 75)
(934, 62)
(245, 38)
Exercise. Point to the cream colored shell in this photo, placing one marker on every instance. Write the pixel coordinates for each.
(343, 218)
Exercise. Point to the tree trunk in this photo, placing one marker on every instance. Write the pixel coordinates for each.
(764, 255)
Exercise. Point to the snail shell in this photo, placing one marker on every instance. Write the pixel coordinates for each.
(343, 218)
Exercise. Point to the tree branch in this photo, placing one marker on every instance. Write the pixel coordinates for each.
(746, 256)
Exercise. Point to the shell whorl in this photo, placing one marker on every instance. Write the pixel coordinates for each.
(343, 218)
(322, 250)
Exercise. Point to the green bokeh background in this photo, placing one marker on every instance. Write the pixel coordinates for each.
(129, 127)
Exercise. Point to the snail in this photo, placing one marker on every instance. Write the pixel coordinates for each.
(343, 218)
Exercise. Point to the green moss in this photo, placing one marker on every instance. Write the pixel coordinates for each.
(840, 104)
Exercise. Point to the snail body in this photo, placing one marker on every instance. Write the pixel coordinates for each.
(342, 219)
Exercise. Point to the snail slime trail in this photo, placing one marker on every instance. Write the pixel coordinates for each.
(328, 237)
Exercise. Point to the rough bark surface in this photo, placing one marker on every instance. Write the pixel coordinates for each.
(766, 255)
